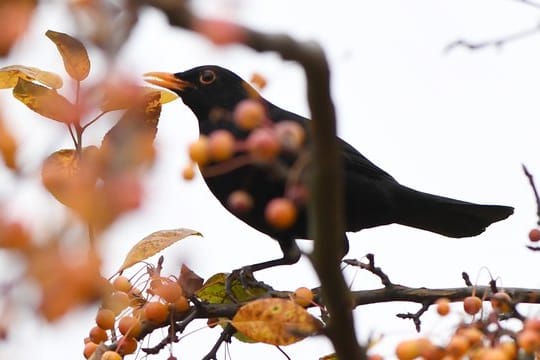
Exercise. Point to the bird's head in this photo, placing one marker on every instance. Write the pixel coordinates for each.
(205, 88)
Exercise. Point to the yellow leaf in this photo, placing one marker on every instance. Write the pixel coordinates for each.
(275, 321)
(9, 76)
(154, 243)
(46, 102)
(73, 54)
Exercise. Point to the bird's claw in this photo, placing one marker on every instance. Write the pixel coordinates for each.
(250, 286)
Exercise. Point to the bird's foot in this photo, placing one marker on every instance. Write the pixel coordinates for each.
(241, 285)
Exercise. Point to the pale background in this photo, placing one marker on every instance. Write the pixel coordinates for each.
(458, 124)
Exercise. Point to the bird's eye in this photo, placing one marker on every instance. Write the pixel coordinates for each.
(207, 77)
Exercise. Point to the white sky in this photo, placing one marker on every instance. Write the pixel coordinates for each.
(457, 124)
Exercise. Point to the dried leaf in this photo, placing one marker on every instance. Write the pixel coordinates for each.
(130, 143)
(153, 244)
(120, 96)
(189, 281)
(46, 102)
(70, 180)
(73, 54)
(9, 75)
(275, 321)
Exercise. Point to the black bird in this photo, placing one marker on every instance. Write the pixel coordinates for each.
(372, 196)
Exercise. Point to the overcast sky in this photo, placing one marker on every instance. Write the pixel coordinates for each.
(458, 124)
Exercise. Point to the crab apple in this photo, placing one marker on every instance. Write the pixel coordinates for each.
(472, 305)
(303, 296)
(534, 235)
(529, 341)
(458, 346)
(122, 283)
(199, 151)
(188, 172)
(411, 349)
(509, 348)
(117, 302)
(281, 213)
(263, 144)
(126, 345)
(240, 202)
(169, 291)
(111, 355)
(89, 349)
(181, 305)
(248, 114)
(221, 145)
(443, 306)
(290, 134)
(501, 302)
(105, 319)
(156, 312)
(473, 335)
(97, 335)
(129, 326)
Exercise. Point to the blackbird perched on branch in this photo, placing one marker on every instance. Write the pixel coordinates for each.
(372, 196)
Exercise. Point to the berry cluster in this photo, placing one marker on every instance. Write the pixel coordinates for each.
(128, 309)
(482, 339)
(264, 143)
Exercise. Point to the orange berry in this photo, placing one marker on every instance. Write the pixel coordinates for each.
(458, 346)
(501, 302)
(170, 291)
(126, 345)
(303, 296)
(494, 354)
(111, 355)
(97, 335)
(443, 306)
(156, 312)
(122, 283)
(509, 348)
(472, 305)
(240, 202)
(199, 151)
(534, 235)
(258, 80)
(89, 349)
(472, 334)
(181, 304)
(117, 302)
(281, 213)
(263, 144)
(409, 349)
(532, 324)
(221, 145)
(291, 135)
(528, 341)
(129, 326)
(105, 319)
(188, 172)
(248, 114)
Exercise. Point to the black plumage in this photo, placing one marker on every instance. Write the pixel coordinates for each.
(372, 196)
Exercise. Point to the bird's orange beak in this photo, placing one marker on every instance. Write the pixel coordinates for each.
(166, 80)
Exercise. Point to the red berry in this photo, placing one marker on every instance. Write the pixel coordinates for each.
(281, 213)
(248, 114)
(240, 202)
(534, 235)
(263, 144)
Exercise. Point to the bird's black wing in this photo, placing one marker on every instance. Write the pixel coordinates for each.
(359, 164)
